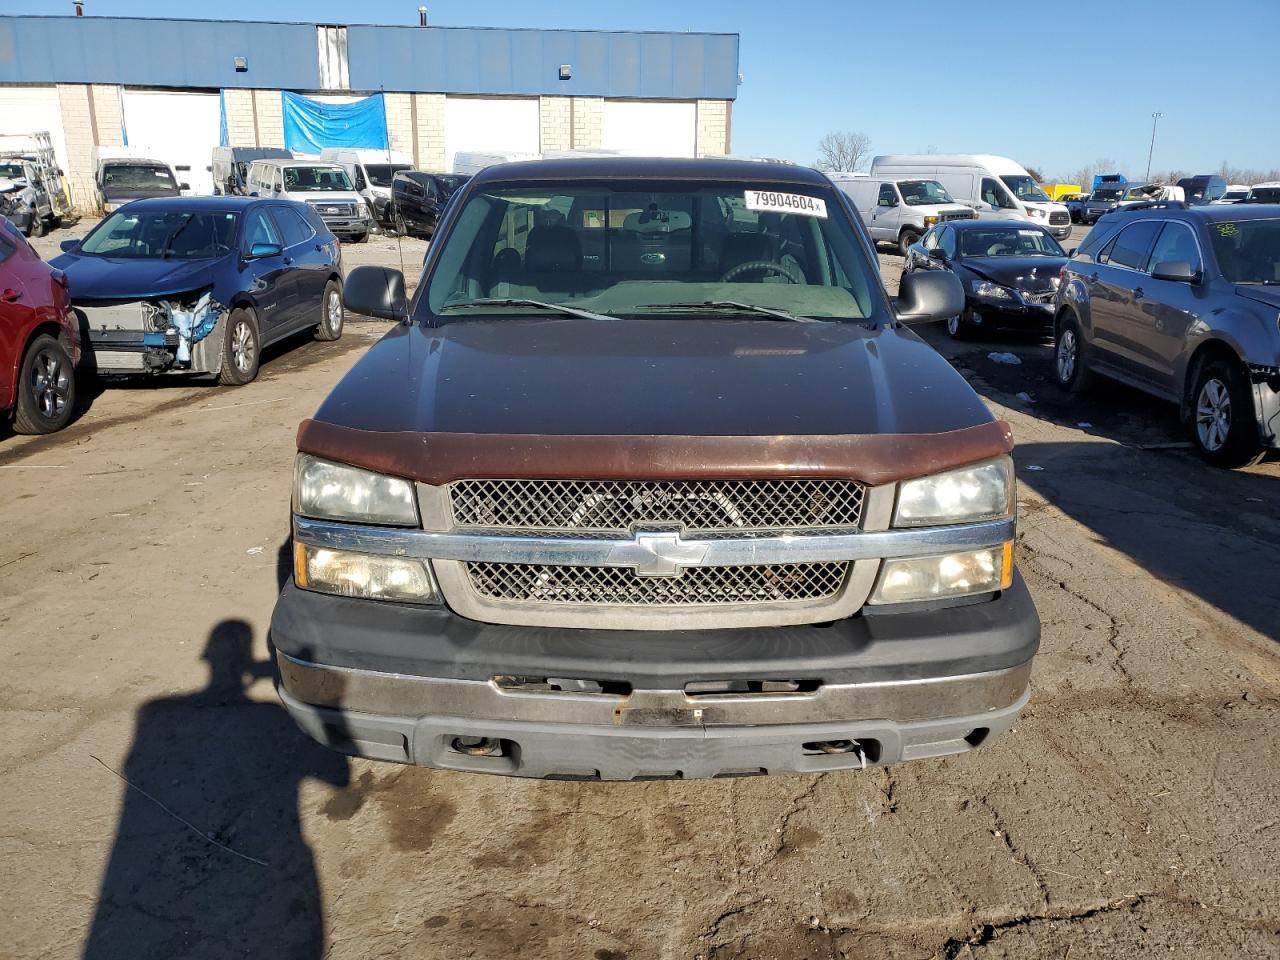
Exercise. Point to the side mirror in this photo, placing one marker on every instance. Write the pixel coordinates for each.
(1071, 254)
(184, 186)
(261, 250)
(888, 203)
(927, 296)
(937, 253)
(1179, 271)
(67, 246)
(253, 193)
(376, 292)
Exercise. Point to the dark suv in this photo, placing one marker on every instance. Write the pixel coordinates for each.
(1182, 302)
(417, 199)
(650, 480)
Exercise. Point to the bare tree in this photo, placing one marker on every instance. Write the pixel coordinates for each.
(1035, 174)
(842, 151)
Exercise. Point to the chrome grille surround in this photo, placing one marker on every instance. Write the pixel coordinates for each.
(765, 583)
(620, 506)
(1059, 218)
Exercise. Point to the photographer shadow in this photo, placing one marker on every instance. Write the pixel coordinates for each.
(209, 859)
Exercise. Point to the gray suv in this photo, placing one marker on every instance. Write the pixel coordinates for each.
(1183, 303)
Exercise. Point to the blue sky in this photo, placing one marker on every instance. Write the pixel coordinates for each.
(1054, 90)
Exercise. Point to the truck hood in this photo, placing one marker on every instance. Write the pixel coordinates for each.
(1270, 296)
(125, 194)
(127, 278)
(668, 377)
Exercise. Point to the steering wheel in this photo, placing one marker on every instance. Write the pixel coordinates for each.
(763, 266)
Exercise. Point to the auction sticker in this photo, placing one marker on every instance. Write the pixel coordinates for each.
(786, 203)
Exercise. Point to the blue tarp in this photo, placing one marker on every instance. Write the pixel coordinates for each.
(310, 125)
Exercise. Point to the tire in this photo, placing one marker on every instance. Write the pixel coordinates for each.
(960, 327)
(1070, 356)
(1224, 429)
(362, 238)
(906, 239)
(37, 228)
(241, 349)
(331, 316)
(46, 388)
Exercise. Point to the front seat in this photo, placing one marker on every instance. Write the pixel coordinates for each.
(740, 248)
(553, 257)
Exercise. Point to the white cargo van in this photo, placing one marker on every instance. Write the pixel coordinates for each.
(470, 164)
(996, 187)
(371, 172)
(899, 211)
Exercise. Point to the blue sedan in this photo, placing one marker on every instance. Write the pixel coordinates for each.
(201, 284)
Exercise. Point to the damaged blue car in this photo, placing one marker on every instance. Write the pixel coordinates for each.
(201, 284)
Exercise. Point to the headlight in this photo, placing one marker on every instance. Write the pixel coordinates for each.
(1038, 214)
(951, 575)
(362, 209)
(983, 491)
(985, 288)
(333, 491)
(363, 575)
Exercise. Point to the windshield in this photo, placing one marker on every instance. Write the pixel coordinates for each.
(137, 177)
(1108, 193)
(917, 193)
(12, 171)
(1235, 194)
(640, 247)
(1248, 251)
(381, 174)
(1264, 195)
(168, 234)
(1008, 242)
(1024, 188)
(317, 179)
(449, 184)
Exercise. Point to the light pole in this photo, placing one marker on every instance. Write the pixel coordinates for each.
(1155, 118)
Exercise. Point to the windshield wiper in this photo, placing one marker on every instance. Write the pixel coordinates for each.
(168, 244)
(521, 302)
(730, 305)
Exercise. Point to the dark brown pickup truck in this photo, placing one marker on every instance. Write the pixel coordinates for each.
(651, 480)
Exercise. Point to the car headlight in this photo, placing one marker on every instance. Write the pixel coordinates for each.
(363, 575)
(334, 491)
(983, 491)
(942, 577)
(362, 209)
(985, 288)
(1037, 214)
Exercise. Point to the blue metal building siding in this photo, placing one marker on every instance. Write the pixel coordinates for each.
(283, 56)
(681, 66)
(157, 53)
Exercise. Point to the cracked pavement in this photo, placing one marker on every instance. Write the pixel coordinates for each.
(1132, 812)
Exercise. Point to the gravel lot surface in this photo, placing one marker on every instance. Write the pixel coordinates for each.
(1133, 812)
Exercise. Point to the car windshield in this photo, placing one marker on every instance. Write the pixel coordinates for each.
(917, 193)
(381, 174)
(1011, 242)
(449, 184)
(1108, 193)
(1248, 251)
(12, 171)
(1264, 195)
(647, 247)
(318, 179)
(130, 176)
(1024, 188)
(162, 234)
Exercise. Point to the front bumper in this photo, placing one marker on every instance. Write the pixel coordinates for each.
(348, 226)
(404, 683)
(1060, 231)
(1006, 313)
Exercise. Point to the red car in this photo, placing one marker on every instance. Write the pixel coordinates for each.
(39, 338)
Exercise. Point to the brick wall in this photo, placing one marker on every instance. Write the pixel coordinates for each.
(588, 123)
(430, 111)
(713, 127)
(270, 115)
(83, 129)
(238, 105)
(554, 123)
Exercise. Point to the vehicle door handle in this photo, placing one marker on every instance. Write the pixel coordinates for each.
(9, 295)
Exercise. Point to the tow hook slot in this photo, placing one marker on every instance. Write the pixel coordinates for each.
(521, 684)
(479, 746)
(866, 750)
(720, 688)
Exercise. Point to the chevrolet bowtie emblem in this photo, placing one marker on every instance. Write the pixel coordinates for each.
(657, 554)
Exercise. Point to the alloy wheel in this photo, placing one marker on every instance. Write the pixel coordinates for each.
(1213, 415)
(953, 325)
(242, 347)
(50, 384)
(1067, 354)
(333, 312)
